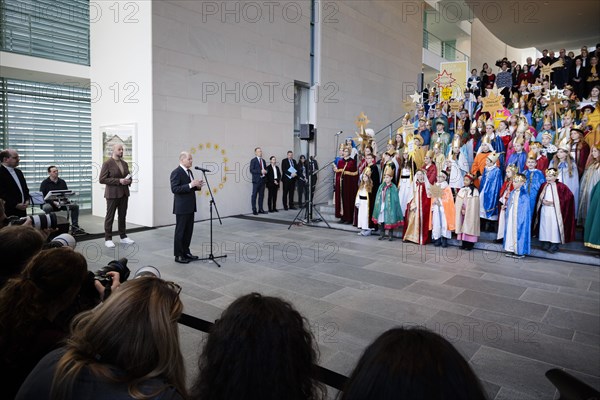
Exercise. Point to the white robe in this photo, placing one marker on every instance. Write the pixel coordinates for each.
(405, 189)
(363, 209)
(572, 182)
(510, 242)
(549, 229)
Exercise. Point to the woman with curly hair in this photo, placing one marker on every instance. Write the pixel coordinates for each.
(260, 348)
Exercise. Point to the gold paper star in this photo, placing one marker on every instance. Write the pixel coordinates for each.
(362, 120)
(547, 68)
(416, 97)
(436, 192)
(492, 103)
(494, 90)
(408, 105)
(223, 151)
(216, 147)
(594, 118)
(455, 106)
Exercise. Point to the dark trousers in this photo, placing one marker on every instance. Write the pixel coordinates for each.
(119, 205)
(288, 192)
(272, 197)
(73, 210)
(258, 189)
(184, 227)
(302, 192)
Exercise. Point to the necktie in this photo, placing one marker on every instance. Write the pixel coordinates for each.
(190, 175)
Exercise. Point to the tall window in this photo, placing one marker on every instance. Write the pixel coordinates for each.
(49, 125)
(54, 29)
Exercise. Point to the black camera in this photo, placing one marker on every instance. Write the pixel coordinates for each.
(42, 221)
(119, 266)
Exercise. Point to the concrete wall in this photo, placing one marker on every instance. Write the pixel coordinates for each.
(121, 84)
(223, 75)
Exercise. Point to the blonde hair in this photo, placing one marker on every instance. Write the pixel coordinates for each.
(136, 331)
(568, 160)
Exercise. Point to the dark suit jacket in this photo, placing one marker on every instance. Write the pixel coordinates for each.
(110, 175)
(271, 176)
(9, 191)
(285, 165)
(255, 169)
(184, 199)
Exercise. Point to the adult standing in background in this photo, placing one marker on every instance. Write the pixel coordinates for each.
(258, 169)
(289, 169)
(273, 180)
(13, 187)
(184, 187)
(115, 175)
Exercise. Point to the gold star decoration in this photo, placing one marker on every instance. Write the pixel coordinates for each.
(555, 99)
(494, 90)
(492, 103)
(455, 106)
(416, 97)
(547, 68)
(408, 105)
(436, 192)
(362, 120)
(444, 79)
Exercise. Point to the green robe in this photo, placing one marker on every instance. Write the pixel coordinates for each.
(392, 213)
(591, 233)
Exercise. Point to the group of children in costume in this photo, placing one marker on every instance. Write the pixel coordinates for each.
(496, 177)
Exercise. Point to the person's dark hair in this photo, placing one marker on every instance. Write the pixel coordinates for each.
(50, 167)
(412, 363)
(134, 331)
(48, 284)
(272, 157)
(4, 154)
(290, 152)
(17, 245)
(260, 348)
(302, 159)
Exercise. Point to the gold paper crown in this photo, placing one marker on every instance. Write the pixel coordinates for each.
(520, 139)
(437, 145)
(391, 153)
(406, 116)
(489, 122)
(400, 131)
(569, 114)
(548, 120)
(519, 178)
(522, 127)
(388, 171)
(485, 139)
(513, 167)
(533, 145)
(390, 141)
(551, 172)
(564, 145)
(532, 155)
(456, 142)
(547, 134)
(342, 146)
(493, 157)
(419, 138)
(430, 154)
(482, 117)
(579, 128)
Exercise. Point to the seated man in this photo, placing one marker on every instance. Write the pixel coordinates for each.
(53, 182)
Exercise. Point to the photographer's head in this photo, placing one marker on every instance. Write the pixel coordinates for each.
(269, 343)
(134, 331)
(17, 245)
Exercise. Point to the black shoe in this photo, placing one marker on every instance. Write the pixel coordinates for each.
(546, 246)
(285, 208)
(254, 212)
(293, 208)
(275, 210)
(444, 242)
(553, 248)
(181, 260)
(437, 242)
(498, 241)
(262, 212)
(191, 257)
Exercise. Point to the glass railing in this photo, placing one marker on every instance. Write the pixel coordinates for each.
(441, 48)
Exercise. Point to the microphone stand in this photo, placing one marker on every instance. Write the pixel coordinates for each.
(211, 256)
(308, 207)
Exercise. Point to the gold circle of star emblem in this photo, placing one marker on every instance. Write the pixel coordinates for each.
(211, 151)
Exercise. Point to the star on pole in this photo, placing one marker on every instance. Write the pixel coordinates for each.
(444, 79)
(416, 98)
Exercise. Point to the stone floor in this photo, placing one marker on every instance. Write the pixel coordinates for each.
(512, 319)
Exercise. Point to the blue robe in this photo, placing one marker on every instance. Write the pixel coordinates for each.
(535, 180)
(519, 159)
(489, 192)
(523, 228)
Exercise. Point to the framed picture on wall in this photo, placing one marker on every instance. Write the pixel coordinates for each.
(126, 135)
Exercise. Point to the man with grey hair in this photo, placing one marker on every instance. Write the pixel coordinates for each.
(115, 175)
(184, 187)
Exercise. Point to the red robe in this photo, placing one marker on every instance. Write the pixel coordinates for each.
(419, 217)
(431, 173)
(567, 211)
(346, 186)
(582, 153)
(542, 163)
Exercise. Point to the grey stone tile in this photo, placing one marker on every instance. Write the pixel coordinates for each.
(566, 301)
(529, 381)
(595, 286)
(341, 362)
(593, 381)
(363, 275)
(490, 388)
(520, 323)
(519, 282)
(445, 305)
(502, 304)
(590, 293)
(435, 290)
(373, 303)
(485, 286)
(523, 341)
(587, 338)
(338, 280)
(420, 272)
(535, 276)
(572, 319)
(587, 272)
(509, 394)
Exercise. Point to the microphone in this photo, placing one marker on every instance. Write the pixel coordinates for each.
(202, 169)
(339, 133)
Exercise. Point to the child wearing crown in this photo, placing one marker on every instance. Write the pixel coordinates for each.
(418, 211)
(517, 228)
(363, 202)
(555, 213)
(567, 169)
(489, 192)
(441, 223)
(535, 179)
(387, 212)
(507, 187)
(467, 214)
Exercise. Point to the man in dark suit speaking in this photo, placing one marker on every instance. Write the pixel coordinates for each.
(13, 188)
(184, 187)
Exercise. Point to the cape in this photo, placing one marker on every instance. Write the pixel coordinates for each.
(565, 211)
(392, 213)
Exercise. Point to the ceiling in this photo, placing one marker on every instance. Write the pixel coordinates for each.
(551, 24)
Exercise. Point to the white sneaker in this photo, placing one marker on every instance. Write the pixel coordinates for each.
(110, 244)
(127, 241)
